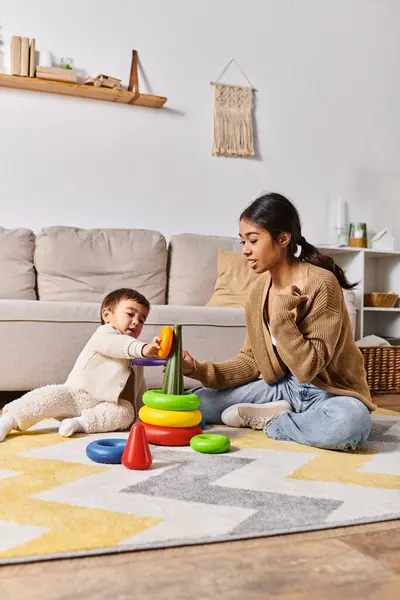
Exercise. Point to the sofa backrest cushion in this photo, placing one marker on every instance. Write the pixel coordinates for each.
(193, 261)
(17, 273)
(86, 264)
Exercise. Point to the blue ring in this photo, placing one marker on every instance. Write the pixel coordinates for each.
(107, 450)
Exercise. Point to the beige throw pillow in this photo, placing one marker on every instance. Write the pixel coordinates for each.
(234, 280)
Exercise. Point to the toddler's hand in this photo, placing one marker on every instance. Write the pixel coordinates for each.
(153, 348)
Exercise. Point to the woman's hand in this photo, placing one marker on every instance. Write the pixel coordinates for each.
(187, 363)
(293, 290)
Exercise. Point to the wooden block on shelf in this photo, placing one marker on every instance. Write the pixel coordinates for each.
(15, 55)
(57, 74)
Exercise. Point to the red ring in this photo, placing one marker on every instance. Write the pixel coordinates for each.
(170, 436)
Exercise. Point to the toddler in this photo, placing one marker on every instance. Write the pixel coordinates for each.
(90, 399)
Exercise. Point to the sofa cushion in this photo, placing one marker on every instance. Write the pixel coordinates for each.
(42, 340)
(193, 267)
(86, 264)
(234, 280)
(89, 312)
(17, 278)
(50, 311)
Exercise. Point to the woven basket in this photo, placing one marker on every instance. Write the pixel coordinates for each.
(382, 364)
(379, 299)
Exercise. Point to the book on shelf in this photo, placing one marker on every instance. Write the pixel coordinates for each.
(15, 55)
(32, 58)
(24, 56)
(56, 74)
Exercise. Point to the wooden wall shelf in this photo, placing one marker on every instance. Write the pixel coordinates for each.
(35, 84)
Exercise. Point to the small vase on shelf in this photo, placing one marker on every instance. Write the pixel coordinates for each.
(358, 235)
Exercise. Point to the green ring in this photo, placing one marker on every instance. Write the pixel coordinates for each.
(210, 443)
(157, 399)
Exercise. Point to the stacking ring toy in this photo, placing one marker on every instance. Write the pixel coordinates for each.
(157, 399)
(108, 450)
(149, 361)
(167, 418)
(167, 337)
(170, 436)
(210, 443)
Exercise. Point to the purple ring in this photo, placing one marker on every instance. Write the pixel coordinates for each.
(150, 361)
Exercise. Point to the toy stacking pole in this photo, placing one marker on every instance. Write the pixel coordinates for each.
(173, 377)
(170, 416)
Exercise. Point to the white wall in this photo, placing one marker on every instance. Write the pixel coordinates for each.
(328, 114)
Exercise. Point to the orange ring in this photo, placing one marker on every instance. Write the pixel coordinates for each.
(167, 337)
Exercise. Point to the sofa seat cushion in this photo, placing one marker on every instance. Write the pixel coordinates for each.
(195, 316)
(17, 273)
(42, 340)
(89, 312)
(50, 311)
(86, 264)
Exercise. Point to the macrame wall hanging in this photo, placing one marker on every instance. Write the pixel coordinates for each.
(233, 118)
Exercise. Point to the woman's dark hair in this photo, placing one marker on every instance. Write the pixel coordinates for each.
(115, 297)
(276, 214)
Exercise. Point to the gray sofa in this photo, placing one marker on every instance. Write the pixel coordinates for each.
(52, 283)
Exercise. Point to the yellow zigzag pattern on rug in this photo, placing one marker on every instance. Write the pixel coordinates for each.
(328, 466)
(67, 525)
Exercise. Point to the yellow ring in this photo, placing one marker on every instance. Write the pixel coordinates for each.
(169, 418)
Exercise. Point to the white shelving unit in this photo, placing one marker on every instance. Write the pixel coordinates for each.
(376, 271)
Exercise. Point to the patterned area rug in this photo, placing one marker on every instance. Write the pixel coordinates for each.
(56, 503)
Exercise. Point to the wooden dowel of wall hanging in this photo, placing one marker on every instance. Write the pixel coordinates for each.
(232, 85)
(133, 78)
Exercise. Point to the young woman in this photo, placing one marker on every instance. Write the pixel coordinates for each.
(299, 376)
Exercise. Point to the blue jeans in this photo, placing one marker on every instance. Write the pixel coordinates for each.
(318, 419)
